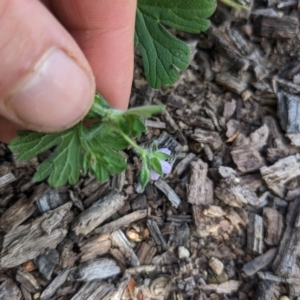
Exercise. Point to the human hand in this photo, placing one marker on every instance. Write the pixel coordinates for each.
(48, 74)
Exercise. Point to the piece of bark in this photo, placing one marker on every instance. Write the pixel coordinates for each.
(168, 191)
(93, 247)
(139, 203)
(196, 189)
(27, 280)
(276, 27)
(120, 241)
(267, 290)
(96, 269)
(259, 262)
(227, 49)
(125, 220)
(273, 223)
(145, 253)
(58, 281)
(211, 138)
(279, 173)
(26, 293)
(231, 192)
(160, 287)
(197, 121)
(231, 83)
(171, 124)
(76, 200)
(208, 152)
(255, 234)
(155, 124)
(184, 164)
(28, 241)
(294, 138)
(156, 234)
(46, 263)
(236, 219)
(95, 215)
(285, 263)
(118, 255)
(288, 112)
(49, 200)
(204, 225)
(7, 179)
(118, 181)
(17, 214)
(95, 290)
(227, 287)
(9, 290)
(247, 159)
(22, 209)
(102, 190)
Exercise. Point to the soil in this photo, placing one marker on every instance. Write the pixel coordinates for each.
(223, 225)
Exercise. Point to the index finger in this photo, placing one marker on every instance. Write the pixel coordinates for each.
(104, 29)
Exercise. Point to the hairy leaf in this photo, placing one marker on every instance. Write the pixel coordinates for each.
(29, 144)
(163, 54)
(144, 175)
(65, 163)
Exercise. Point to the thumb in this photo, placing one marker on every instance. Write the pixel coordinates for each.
(46, 84)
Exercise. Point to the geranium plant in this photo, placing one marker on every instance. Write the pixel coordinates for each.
(95, 148)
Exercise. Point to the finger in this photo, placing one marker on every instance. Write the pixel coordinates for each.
(104, 29)
(49, 84)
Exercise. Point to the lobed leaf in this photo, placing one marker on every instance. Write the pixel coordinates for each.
(163, 54)
(65, 163)
(29, 144)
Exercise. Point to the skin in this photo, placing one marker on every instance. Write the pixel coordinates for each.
(97, 35)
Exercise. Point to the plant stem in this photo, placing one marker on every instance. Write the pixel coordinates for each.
(139, 149)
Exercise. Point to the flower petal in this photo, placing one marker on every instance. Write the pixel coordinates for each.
(154, 175)
(165, 150)
(166, 167)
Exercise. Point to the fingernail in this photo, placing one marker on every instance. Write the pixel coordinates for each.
(57, 93)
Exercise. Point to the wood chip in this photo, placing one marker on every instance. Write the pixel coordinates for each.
(95, 246)
(46, 263)
(7, 179)
(259, 262)
(168, 191)
(126, 220)
(95, 215)
(27, 280)
(9, 290)
(156, 234)
(58, 281)
(288, 112)
(197, 189)
(28, 241)
(276, 27)
(119, 240)
(227, 287)
(273, 222)
(281, 172)
(97, 269)
(255, 234)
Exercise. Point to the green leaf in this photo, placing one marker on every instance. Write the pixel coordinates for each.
(29, 144)
(145, 111)
(65, 163)
(163, 54)
(160, 155)
(144, 175)
(155, 165)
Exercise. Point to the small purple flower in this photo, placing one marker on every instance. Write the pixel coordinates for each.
(166, 167)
